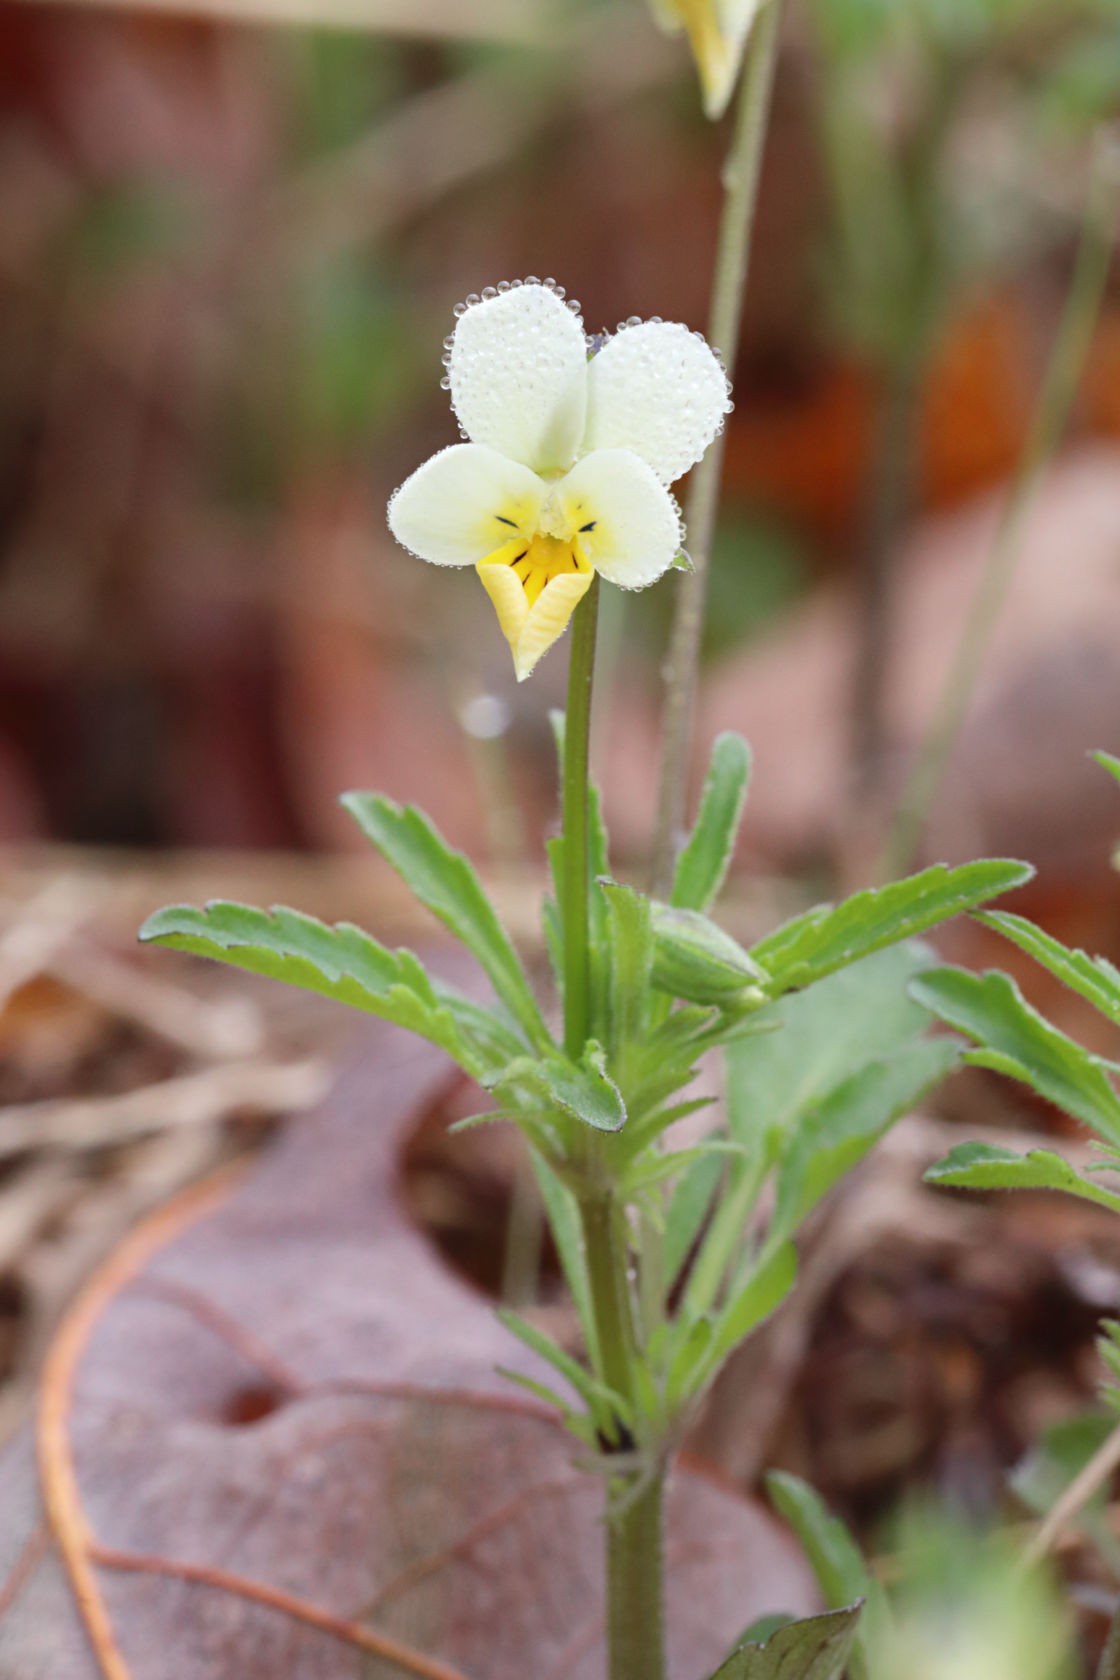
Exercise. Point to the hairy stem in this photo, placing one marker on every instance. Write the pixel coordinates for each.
(1048, 426)
(635, 1568)
(577, 735)
(741, 177)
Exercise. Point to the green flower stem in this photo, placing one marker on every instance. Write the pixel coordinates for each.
(635, 1561)
(577, 735)
(1051, 417)
(635, 1571)
(741, 177)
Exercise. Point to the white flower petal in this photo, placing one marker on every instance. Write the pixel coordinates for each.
(518, 372)
(658, 390)
(629, 525)
(464, 503)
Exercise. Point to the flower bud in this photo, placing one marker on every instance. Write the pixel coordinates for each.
(694, 959)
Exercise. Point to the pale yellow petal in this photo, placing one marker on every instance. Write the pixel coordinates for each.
(548, 619)
(505, 589)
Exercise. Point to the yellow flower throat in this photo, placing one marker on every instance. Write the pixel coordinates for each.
(539, 560)
(536, 581)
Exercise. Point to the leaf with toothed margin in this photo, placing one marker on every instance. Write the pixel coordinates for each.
(1013, 1038)
(985, 1166)
(825, 939)
(341, 962)
(1095, 978)
(445, 882)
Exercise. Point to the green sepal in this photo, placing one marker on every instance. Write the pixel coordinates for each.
(341, 962)
(986, 1166)
(825, 939)
(446, 883)
(682, 562)
(1014, 1039)
(706, 855)
(694, 959)
(816, 1648)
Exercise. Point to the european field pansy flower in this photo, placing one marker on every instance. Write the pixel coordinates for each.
(571, 451)
(717, 33)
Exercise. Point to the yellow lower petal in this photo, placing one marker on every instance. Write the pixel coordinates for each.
(507, 592)
(548, 618)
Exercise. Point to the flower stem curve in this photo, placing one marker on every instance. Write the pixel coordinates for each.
(741, 177)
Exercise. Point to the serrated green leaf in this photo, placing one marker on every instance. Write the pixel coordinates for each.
(1095, 978)
(445, 882)
(1015, 1039)
(706, 856)
(835, 1560)
(836, 1134)
(341, 962)
(816, 1648)
(986, 1166)
(823, 940)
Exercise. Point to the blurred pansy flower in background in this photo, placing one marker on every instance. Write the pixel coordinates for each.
(571, 451)
(718, 31)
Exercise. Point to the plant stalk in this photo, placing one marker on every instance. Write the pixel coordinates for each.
(635, 1569)
(741, 177)
(577, 738)
(1051, 417)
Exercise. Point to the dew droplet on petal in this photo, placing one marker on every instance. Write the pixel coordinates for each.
(489, 292)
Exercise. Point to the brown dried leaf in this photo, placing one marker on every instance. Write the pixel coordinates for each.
(272, 1442)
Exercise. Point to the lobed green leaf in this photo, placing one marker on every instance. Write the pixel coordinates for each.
(341, 962)
(823, 939)
(706, 855)
(1095, 978)
(1016, 1040)
(445, 881)
(986, 1166)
